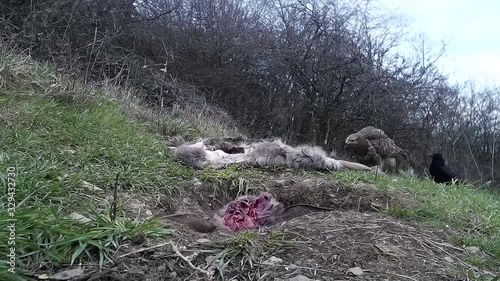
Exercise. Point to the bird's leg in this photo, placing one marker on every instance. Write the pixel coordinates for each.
(391, 165)
(382, 166)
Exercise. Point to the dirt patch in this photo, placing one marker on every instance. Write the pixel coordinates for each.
(354, 238)
(383, 247)
(331, 194)
(206, 198)
(320, 246)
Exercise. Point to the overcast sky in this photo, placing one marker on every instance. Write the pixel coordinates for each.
(471, 29)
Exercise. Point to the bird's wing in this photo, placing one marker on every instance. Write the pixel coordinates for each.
(371, 132)
(447, 171)
(387, 147)
(432, 171)
(383, 146)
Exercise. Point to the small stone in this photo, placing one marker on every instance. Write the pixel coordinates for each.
(87, 185)
(44, 276)
(448, 259)
(210, 259)
(211, 262)
(279, 183)
(355, 270)
(273, 260)
(67, 274)
(291, 267)
(149, 213)
(63, 177)
(472, 249)
(79, 218)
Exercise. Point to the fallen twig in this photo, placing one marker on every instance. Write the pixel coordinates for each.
(299, 267)
(115, 198)
(207, 273)
(144, 249)
(404, 276)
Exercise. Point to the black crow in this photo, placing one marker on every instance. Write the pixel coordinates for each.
(439, 171)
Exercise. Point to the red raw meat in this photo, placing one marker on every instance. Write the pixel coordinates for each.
(250, 212)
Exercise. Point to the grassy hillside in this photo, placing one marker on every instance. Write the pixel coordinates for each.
(59, 140)
(57, 144)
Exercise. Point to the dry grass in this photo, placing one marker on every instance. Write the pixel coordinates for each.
(189, 116)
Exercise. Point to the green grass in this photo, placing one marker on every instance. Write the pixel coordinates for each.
(55, 146)
(61, 137)
(471, 214)
(235, 179)
(230, 174)
(51, 141)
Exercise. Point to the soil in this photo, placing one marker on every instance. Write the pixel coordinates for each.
(355, 241)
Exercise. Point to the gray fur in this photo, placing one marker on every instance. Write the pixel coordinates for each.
(312, 157)
(193, 155)
(276, 153)
(219, 159)
(176, 141)
(267, 154)
(264, 154)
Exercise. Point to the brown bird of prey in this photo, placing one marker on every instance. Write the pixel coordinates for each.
(372, 147)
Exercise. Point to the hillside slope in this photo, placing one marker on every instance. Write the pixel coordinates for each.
(66, 147)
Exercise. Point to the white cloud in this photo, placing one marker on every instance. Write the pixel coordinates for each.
(469, 27)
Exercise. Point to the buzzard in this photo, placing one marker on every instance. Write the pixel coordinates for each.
(372, 147)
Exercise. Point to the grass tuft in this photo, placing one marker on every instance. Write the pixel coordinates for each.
(468, 213)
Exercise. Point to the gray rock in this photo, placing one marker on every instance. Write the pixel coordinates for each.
(472, 249)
